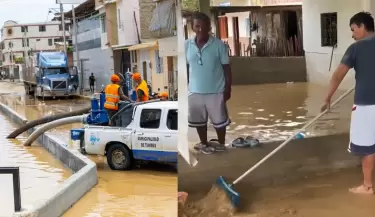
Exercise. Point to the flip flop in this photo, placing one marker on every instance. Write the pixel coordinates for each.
(241, 143)
(252, 141)
(218, 147)
(205, 149)
(248, 142)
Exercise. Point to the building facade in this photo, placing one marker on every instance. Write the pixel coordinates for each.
(95, 53)
(18, 40)
(155, 57)
(327, 32)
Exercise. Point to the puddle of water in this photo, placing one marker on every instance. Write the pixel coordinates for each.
(40, 172)
(272, 112)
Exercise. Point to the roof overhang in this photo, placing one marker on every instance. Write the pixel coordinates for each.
(146, 45)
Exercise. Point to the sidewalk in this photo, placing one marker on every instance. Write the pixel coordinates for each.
(16, 81)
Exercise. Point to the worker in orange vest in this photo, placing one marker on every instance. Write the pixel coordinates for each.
(113, 95)
(163, 96)
(141, 89)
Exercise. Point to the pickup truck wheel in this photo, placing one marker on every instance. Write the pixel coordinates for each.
(118, 157)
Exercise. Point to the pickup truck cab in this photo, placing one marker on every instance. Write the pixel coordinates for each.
(150, 134)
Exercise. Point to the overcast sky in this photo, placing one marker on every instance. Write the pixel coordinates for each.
(28, 11)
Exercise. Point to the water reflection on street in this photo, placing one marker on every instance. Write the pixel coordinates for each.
(273, 111)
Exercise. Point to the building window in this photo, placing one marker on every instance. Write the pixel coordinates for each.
(50, 42)
(103, 24)
(328, 29)
(58, 39)
(158, 62)
(25, 42)
(42, 28)
(248, 26)
(60, 27)
(24, 29)
(133, 56)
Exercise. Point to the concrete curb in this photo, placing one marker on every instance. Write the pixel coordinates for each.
(84, 176)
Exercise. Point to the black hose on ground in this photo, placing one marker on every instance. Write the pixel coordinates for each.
(46, 119)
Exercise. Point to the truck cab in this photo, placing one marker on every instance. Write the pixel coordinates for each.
(146, 132)
(47, 75)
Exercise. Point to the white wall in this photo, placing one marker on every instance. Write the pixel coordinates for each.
(318, 57)
(242, 16)
(127, 33)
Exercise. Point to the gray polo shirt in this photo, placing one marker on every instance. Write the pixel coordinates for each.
(361, 56)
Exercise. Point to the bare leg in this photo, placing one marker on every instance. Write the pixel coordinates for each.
(182, 197)
(221, 132)
(202, 133)
(368, 163)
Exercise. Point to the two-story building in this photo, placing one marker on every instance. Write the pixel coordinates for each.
(94, 51)
(19, 40)
(156, 56)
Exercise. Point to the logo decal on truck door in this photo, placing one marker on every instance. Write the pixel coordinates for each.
(94, 138)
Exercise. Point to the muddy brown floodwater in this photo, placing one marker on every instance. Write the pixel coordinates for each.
(148, 191)
(272, 112)
(40, 172)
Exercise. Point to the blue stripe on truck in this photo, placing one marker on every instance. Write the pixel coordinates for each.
(148, 155)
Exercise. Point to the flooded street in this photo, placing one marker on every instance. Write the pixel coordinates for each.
(40, 172)
(268, 112)
(149, 192)
(273, 111)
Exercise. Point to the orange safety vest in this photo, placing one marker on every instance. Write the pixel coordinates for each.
(112, 97)
(144, 88)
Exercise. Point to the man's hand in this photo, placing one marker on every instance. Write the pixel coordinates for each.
(227, 95)
(326, 105)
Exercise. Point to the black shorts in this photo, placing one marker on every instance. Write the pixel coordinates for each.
(111, 113)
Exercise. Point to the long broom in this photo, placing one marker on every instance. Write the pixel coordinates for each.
(229, 190)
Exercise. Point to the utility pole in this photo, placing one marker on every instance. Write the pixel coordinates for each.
(78, 61)
(63, 25)
(24, 39)
(81, 77)
(11, 71)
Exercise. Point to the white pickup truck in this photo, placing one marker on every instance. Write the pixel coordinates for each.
(151, 136)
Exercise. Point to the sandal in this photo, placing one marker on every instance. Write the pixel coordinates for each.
(245, 143)
(200, 146)
(362, 189)
(217, 147)
(252, 141)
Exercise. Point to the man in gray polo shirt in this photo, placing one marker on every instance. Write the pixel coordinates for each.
(361, 56)
(209, 83)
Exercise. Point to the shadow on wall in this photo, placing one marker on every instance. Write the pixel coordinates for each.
(263, 70)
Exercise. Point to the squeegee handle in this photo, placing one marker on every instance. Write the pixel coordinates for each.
(291, 137)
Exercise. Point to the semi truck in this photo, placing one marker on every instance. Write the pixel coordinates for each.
(47, 74)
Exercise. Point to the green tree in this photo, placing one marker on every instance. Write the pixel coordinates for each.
(191, 5)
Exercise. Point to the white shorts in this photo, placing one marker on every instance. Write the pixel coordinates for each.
(204, 106)
(362, 130)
